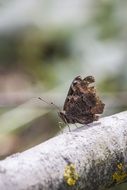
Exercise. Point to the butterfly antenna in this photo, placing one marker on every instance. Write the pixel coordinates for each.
(51, 103)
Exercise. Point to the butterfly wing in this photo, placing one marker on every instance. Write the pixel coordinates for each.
(82, 104)
(71, 91)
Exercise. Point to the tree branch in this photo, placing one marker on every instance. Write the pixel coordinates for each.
(93, 157)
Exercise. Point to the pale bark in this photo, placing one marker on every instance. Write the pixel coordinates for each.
(98, 152)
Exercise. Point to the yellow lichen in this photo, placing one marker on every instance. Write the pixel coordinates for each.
(120, 175)
(120, 166)
(70, 174)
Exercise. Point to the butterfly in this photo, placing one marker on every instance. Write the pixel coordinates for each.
(81, 105)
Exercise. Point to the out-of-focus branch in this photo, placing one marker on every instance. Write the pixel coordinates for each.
(92, 157)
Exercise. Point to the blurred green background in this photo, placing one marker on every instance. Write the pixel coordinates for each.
(45, 44)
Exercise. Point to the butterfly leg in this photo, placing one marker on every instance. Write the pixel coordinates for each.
(60, 127)
(76, 125)
(68, 127)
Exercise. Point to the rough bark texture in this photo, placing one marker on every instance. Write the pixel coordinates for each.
(88, 158)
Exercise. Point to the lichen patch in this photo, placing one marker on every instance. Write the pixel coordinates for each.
(119, 175)
(70, 174)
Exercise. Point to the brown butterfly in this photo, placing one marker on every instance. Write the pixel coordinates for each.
(82, 105)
